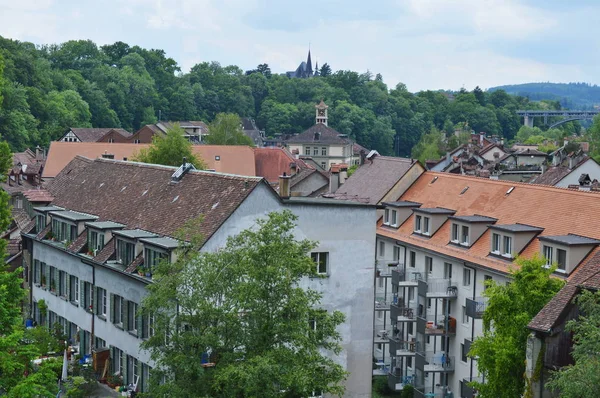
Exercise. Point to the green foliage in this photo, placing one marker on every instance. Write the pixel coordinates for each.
(430, 146)
(243, 305)
(226, 129)
(500, 352)
(352, 169)
(80, 387)
(169, 149)
(582, 380)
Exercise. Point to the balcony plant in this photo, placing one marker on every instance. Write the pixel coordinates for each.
(44, 280)
(43, 307)
(52, 285)
(140, 271)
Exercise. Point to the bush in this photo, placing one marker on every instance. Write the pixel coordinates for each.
(79, 387)
(408, 391)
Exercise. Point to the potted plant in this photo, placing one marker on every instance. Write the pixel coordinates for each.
(148, 274)
(44, 280)
(50, 235)
(43, 307)
(140, 271)
(52, 285)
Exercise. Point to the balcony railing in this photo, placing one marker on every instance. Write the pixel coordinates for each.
(466, 390)
(386, 269)
(437, 392)
(397, 381)
(400, 277)
(403, 347)
(436, 325)
(382, 335)
(435, 362)
(438, 288)
(402, 313)
(476, 307)
(383, 301)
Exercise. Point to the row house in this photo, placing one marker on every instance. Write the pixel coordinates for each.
(93, 248)
(437, 245)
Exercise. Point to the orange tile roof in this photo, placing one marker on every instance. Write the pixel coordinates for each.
(547, 207)
(273, 162)
(232, 159)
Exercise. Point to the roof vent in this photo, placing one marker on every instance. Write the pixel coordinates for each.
(464, 190)
(180, 172)
(434, 179)
(317, 136)
(510, 190)
(107, 155)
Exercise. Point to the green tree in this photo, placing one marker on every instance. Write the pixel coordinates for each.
(169, 149)
(242, 309)
(500, 352)
(325, 70)
(226, 129)
(582, 380)
(429, 147)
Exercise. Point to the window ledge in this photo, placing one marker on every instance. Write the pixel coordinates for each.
(118, 325)
(133, 333)
(75, 303)
(103, 317)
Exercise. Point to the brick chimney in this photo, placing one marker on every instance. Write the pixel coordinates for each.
(284, 186)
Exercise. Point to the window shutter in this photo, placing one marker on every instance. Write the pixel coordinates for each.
(112, 359)
(81, 342)
(140, 325)
(112, 308)
(68, 287)
(95, 300)
(125, 319)
(47, 277)
(82, 295)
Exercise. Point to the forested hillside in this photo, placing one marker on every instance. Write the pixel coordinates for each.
(570, 95)
(47, 89)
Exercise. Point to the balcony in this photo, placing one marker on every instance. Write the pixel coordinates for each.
(436, 325)
(402, 348)
(402, 313)
(385, 270)
(383, 301)
(476, 307)
(381, 336)
(435, 362)
(467, 391)
(400, 277)
(437, 392)
(397, 381)
(438, 288)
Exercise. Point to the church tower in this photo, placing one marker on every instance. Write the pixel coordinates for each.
(321, 113)
(309, 69)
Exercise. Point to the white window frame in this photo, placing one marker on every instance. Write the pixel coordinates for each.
(426, 226)
(496, 242)
(464, 238)
(396, 253)
(394, 220)
(381, 248)
(466, 319)
(386, 217)
(316, 256)
(559, 267)
(454, 233)
(418, 222)
(548, 254)
(118, 310)
(507, 246)
(466, 277)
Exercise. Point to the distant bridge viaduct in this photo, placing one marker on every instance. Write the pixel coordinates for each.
(528, 116)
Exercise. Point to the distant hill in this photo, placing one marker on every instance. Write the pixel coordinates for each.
(570, 95)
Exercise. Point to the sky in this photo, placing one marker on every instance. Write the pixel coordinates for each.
(425, 44)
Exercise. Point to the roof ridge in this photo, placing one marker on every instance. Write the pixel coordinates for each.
(514, 183)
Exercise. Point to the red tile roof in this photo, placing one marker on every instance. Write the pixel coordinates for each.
(38, 195)
(273, 162)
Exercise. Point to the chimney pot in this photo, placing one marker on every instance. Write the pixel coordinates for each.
(284, 186)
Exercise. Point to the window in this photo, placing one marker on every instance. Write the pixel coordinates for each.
(394, 218)
(413, 259)
(40, 222)
(426, 225)
(548, 254)
(454, 237)
(43, 276)
(307, 150)
(62, 284)
(62, 231)
(125, 252)
(95, 240)
(447, 271)
(429, 303)
(102, 304)
(99, 343)
(466, 277)
(321, 260)
(386, 217)
(117, 361)
(465, 235)
(465, 318)
(153, 257)
(381, 248)
(409, 361)
(147, 326)
(507, 246)
(73, 289)
(36, 272)
(118, 309)
(136, 141)
(52, 279)
(428, 264)
(561, 259)
(418, 223)
(324, 151)
(316, 151)
(496, 243)
(111, 140)
(324, 165)
(132, 321)
(463, 353)
(486, 278)
(396, 253)
(87, 293)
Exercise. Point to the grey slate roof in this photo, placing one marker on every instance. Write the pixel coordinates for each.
(134, 233)
(434, 210)
(374, 179)
(517, 228)
(164, 242)
(474, 219)
(320, 134)
(570, 240)
(402, 203)
(73, 215)
(104, 225)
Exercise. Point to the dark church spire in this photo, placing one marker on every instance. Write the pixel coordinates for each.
(309, 69)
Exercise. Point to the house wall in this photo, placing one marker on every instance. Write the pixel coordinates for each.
(309, 185)
(489, 155)
(589, 167)
(116, 137)
(144, 134)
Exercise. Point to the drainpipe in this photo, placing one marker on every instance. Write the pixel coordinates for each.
(473, 322)
(92, 332)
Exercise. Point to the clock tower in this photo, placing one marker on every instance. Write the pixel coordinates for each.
(321, 113)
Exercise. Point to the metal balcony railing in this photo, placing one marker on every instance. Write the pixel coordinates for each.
(383, 301)
(401, 277)
(435, 361)
(438, 288)
(397, 381)
(476, 307)
(385, 270)
(437, 392)
(403, 347)
(466, 390)
(402, 313)
(436, 325)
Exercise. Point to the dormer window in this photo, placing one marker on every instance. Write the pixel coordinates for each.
(507, 247)
(454, 237)
(467, 229)
(495, 243)
(95, 240)
(566, 251)
(63, 231)
(390, 217)
(152, 257)
(125, 252)
(426, 226)
(510, 239)
(464, 237)
(548, 251)
(418, 222)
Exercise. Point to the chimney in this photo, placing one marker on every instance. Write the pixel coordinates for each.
(363, 156)
(107, 155)
(334, 179)
(284, 186)
(38, 153)
(481, 136)
(293, 168)
(343, 174)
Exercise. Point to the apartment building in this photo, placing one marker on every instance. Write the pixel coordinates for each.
(438, 243)
(93, 248)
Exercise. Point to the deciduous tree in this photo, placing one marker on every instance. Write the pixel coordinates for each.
(169, 149)
(242, 310)
(226, 129)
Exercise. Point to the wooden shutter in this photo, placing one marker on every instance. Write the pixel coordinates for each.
(47, 277)
(82, 295)
(140, 324)
(112, 308)
(68, 286)
(125, 314)
(81, 342)
(95, 300)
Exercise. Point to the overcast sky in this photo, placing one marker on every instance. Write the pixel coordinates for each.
(426, 44)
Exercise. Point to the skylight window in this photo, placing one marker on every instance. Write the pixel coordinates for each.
(510, 190)
(464, 190)
(434, 180)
